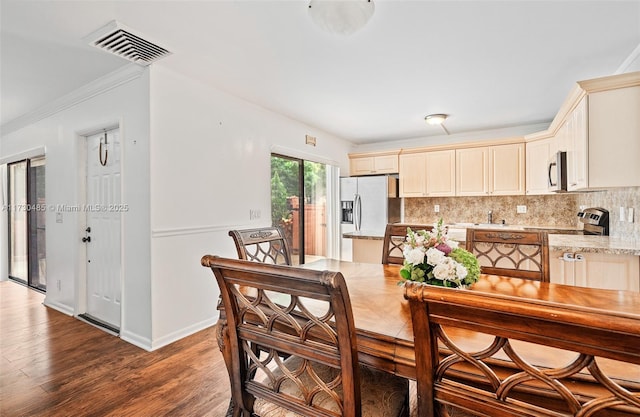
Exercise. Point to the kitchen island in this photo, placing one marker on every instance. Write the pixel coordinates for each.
(557, 241)
(575, 259)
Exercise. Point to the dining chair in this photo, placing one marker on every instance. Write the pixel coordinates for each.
(395, 235)
(513, 253)
(499, 375)
(264, 244)
(305, 315)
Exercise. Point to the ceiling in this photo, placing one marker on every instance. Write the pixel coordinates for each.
(488, 64)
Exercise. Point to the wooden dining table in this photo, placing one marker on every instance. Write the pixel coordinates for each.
(384, 328)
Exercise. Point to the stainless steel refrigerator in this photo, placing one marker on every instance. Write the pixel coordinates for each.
(367, 205)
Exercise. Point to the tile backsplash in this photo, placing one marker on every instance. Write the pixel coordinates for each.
(556, 210)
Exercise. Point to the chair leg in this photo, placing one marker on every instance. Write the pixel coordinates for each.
(229, 412)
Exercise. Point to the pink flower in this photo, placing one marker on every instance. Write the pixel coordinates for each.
(443, 247)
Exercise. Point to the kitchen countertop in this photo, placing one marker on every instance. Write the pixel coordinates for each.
(557, 241)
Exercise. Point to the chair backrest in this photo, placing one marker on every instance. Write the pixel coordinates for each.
(394, 236)
(264, 244)
(500, 376)
(513, 253)
(289, 312)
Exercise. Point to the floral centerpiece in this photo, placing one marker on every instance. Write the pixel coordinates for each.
(430, 257)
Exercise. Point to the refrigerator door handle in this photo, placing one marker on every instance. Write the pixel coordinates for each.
(357, 212)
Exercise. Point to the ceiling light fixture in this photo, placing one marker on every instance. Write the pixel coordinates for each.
(437, 119)
(342, 17)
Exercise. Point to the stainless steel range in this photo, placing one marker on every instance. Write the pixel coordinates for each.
(596, 221)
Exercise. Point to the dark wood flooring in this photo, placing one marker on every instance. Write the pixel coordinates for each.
(55, 365)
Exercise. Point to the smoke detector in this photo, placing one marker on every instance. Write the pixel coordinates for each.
(117, 39)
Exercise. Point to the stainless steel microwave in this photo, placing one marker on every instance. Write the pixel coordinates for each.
(557, 172)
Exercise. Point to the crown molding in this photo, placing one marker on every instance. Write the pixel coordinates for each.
(612, 82)
(108, 82)
(375, 153)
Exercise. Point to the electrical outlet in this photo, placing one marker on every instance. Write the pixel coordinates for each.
(254, 214)
(436, 208)
(59, 285)
(630, 214)
(623, 216)
(521, 209)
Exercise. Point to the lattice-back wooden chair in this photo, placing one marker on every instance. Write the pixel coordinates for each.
(513, 253)
(394, 236)
(264, 244)
(306, 316)
(500, 377)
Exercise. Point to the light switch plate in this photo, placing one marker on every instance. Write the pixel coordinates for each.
(623, 216)
(630, 214)
(521, 209)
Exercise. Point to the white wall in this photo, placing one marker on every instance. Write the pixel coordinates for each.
(210, 164)
(59, 130)
(194, 162)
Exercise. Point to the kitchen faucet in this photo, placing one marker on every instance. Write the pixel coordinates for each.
(490, 217)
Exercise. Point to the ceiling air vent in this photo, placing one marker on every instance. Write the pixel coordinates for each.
(119, 40)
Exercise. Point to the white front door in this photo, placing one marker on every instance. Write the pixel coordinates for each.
(102, 238)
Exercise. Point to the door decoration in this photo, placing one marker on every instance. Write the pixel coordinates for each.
(103, 162)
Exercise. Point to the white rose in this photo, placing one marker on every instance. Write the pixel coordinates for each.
(435, 256)
(461, 271)
(442, 271)
(414, 256)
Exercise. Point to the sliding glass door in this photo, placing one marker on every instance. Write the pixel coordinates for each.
(27, 229)
(299, 205)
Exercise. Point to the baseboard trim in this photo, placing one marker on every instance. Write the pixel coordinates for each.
(136, 340)
(182, 333)
(65, 309)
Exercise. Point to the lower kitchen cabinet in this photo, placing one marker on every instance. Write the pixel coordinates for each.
(367, 250)
(596, 270)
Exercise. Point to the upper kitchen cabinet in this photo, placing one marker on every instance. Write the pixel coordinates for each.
(599, 128)
(574, 133)
(490, 170)
(428, 174)
(373, 163)
(506, 164)
(472, 171)
(537, 155)
(613, 146)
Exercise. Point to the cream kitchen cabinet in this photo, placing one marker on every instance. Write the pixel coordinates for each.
(372, 164)
(600, 133)
(537, 163)
(367, 250)
(575, 136)
(598, 127)
(472, 171)
(611, 152)
(427, 174)
(491, 170)
(596, 270)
